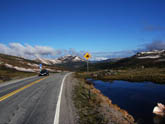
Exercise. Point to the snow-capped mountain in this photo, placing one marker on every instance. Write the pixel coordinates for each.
(148, 59)
(155, 54)
(64, 59)
(70, 58)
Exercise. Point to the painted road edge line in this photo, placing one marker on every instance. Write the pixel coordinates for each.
(57, 113)
(20, 89)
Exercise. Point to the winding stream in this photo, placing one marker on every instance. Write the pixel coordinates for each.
(137, 98)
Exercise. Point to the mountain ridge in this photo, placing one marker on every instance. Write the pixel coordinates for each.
(60, 60)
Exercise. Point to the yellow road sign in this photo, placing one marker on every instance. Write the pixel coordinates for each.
(87, 56)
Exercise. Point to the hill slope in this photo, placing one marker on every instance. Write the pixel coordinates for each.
(13, 67)
(149, 59)
(143, 59)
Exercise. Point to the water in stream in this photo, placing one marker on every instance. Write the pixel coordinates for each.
(138, 99)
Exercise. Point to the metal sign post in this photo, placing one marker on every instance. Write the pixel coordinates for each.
(87, 66)
(87, 56)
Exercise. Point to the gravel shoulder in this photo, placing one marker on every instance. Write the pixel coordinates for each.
(68, 113)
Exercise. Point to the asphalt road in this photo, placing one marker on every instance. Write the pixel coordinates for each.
(30, 101)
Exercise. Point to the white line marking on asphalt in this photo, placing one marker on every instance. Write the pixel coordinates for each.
(57, 113)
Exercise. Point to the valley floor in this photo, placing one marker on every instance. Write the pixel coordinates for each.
(156, 75)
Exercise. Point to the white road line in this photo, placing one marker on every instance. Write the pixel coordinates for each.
(57, 113)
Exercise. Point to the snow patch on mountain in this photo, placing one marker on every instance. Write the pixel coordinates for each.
(33, 65)
(155, 54)
(99, 58)
(44, 61)
(54, 61)
(77, 59)
(149, 57)
(64, 59)
(19, 68)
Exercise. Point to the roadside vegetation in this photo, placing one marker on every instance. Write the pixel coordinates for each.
(127, 69)
(7, 74)
(87, 105)
(95, 108)
(156, 75)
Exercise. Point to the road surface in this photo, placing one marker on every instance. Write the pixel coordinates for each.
(32, 101)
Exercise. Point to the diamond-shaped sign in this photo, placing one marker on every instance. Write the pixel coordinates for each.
(87, 56)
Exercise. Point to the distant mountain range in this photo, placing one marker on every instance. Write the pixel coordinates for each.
(61, 60)
(155, 58)
(21, 64)
(53, 65)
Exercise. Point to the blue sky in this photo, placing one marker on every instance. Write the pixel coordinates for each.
(84, 25)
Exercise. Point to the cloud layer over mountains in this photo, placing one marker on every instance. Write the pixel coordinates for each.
(28, 51)
(31, 52)
(155, 45)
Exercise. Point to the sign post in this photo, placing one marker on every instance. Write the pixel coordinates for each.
(87, 56)
(40, 67)
(87, 66)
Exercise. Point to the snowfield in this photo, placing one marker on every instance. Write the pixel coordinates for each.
(149, 57)
(19, 68)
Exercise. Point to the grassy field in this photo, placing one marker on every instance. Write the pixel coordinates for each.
(7, 74)
(156, 75)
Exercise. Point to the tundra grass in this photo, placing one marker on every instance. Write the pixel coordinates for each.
(7, 74)
(87, 105)
(156, 75)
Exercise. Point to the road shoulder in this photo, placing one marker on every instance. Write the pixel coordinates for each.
(15, 81)
(67, 109)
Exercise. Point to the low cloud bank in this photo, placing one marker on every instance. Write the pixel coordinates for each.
(28, 51)
(155, 45)
(117, 54)
(32, 52)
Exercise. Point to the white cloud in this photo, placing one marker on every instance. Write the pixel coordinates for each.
(99, 58)
(31, 52)
(28, 51)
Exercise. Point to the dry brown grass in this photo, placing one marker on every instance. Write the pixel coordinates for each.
(156, 75)
(7, 74)
(87, 105)
(95, 108)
